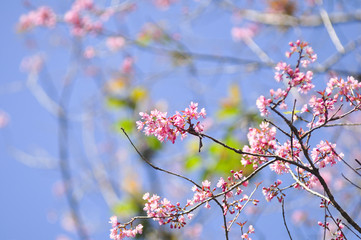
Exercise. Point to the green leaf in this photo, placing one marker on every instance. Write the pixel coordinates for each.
(290, 112)
(154, 143)
(127, 124)
(228, 112)
(114, 102)
(127, 207)
(192, 162)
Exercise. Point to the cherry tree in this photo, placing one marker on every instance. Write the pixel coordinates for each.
(262, 125)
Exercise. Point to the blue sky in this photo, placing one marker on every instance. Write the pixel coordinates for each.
(26, 195)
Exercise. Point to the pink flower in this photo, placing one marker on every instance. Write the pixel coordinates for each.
(79, 5)
(299, 216)
(221, 183)
(4, 119)
(43, 16)
(89, 52)
(168, 128)
(32, 64)
(114, 221)
(239, 34)
(206, 184)
(325, 153)
(127, 65)
(146, 196)
(279, 167)
(163, 4)
(115, 43)
(262, 104)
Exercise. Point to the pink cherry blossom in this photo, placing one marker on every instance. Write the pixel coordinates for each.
(115, 43)
(168, 128)
(239, 33)
(43, 16)
(33, 64)
(4, 119)
(89, 52)
(127, 65)
(262, 104)
(324, 153)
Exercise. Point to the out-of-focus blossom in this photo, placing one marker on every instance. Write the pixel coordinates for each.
(32, 64)
(115, 43)
(4, 119)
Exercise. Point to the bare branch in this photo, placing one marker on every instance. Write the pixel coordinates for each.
(284, 218)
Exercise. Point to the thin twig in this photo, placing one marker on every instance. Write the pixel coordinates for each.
(350, 181)
(284, 218)
(244, 205)
(155, 167)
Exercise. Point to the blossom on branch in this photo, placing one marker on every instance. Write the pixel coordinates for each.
(168, 128)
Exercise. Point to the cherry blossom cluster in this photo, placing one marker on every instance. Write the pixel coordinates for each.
(115, 43)
(168, 128)
(249, 231)
(119, 231)
(272, 191)
(324, 153)
(346, 89)
(236, 205)
(287, 151)
(163, 4)
(83, 17)
(201, 195)
(80, 20)
(33, 64)
(304, 50)
(295, 77)
(42, 17)
(164, 211)
(242, 33)
(337, 233)
(261, 141)
(323, 105)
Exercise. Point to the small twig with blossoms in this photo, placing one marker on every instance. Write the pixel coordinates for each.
(177, 175)
(240, 207)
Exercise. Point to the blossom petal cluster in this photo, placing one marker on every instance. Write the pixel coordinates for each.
(201, 195)
(260, 141)
(163, 211)
(294, 77)
(119, 231)
(79, 18)
(83, 18)
(271, 191)
(168, 128)
(43, 16)
(324, 153)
